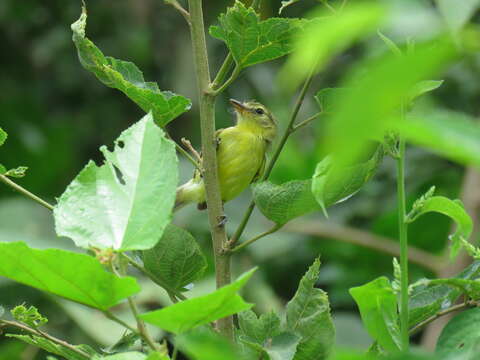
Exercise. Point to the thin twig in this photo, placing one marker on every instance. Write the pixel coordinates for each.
(194, 152)
(258, 237)
(112, 317)
(142, 330)
(46, 336)
(365, 239)
(305, 122)
(25, 192)
(223, 71)
(184, 152)
(246, 217)
(180, 9)
(152, 276)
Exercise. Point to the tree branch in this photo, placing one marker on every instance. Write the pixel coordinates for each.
(365, 239)
(210, 175)
(180, 9)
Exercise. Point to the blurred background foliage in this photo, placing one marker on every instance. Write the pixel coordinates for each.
(57, 115)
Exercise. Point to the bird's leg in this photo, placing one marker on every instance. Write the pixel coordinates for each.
(190, 148)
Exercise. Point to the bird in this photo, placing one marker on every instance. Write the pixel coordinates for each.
(241, 155)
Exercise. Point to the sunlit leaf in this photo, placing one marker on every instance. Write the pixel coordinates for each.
(333, 183)
(52, 271)
(205, 344)
(308, 316)
(176, 259)
(461, 336)
(378, 308)
(188, 314)
(451, 208)
(424, 87)
(329, 35)
(377, 90)
(282, 203)
(126, 77)
(126, 203)
(253, 41)
(451, 134)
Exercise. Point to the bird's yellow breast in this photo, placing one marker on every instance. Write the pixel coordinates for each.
(240, 156)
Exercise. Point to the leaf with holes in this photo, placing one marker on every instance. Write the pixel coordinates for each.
(176, 259)
(126, 77)
(65, 274)
(253, 41)
(126, 203)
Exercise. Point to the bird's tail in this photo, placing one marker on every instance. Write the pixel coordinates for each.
(190, 192)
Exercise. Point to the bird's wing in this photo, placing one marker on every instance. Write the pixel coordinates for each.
(261, 170)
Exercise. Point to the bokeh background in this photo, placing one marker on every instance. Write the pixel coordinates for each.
(57, 115)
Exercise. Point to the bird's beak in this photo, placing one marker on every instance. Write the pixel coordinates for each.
(238, 105)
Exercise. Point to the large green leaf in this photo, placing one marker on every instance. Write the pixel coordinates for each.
(282, 203)
(65, 274)
(176, 259)
(451, 208)
(54, 348)
(378, 308)
(327, 36)
(457, 13)
(188, 314)
(126, 77)
(126, 203)
(451, 134)
(427, 299)
(333, 183)
(281, 347)
(461, 336)
(253, 41)
(308, 316)
(471, 288)
(377, 89)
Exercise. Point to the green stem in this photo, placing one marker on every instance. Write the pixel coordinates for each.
(288, 131)
(187, 156)
(258, 237)
(231, 79)
(40, 333)
(112, 317)
(210, 174)
(25, 192)
(223, 72)
(402, 229)
(305, 122)
(142, 329)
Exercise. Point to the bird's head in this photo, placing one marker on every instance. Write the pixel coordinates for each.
(256, 117)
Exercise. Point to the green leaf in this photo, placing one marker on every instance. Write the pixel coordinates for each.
(176, 259)
(126, 203)
(126, 77)
(258, 330)
(3, 136)
(308, 316)
(252, 41)
(378, 308)
(451, 134)
(461, 336)
(326, 37)
(17, 172)
(471, 288)
(377, 89)
(131, 355)
(326, 99)
(205, 344)
(451, 208)
(54, 348)
(280, 347)
(457, 13)
(282, 203)
(424, 87)
(29, 316)
(394, 49)
(188, 314)
(333, 183)
(52, 271)
(427, 299)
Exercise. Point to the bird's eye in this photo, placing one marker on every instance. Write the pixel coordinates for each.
(259, 111)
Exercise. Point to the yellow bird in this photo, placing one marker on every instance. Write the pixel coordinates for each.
(240, 154)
